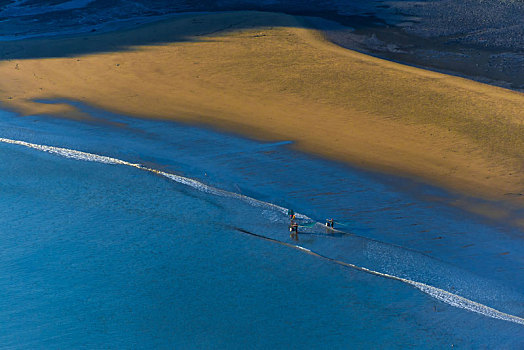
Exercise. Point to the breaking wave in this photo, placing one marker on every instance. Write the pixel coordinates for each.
(437, 293)
(91, 157)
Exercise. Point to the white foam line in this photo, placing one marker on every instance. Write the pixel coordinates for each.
(437, 293)
(218, 192)
(69, 153)
(91, 157)
(463, 303)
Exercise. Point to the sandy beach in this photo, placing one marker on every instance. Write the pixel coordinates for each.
(151, 158)
(268, 76)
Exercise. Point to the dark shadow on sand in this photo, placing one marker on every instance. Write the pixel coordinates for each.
(190, 27)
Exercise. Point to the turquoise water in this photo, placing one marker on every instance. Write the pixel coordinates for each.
(104, 255)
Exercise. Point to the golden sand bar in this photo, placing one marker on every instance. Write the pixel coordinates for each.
(267, 76)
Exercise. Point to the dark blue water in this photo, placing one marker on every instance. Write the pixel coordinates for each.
(101, 255)
(30, 18)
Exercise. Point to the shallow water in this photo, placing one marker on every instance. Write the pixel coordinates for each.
(112, 255)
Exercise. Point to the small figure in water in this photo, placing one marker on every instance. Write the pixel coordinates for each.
(330, 223)
(293, 227)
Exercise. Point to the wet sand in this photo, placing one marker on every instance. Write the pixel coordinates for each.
(267, 76)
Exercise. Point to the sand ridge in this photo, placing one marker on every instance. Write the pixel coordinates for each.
(268, 76)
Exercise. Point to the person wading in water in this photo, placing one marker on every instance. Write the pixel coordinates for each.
(293, 226)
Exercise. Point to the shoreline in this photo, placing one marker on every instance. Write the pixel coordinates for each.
(484, 209)
(423, 241)
(266, 76)
(391, 43)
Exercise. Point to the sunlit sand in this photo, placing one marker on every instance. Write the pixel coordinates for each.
(270, 77)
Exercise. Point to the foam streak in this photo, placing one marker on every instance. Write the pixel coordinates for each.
(437, 293)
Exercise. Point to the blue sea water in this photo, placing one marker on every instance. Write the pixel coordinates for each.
(102, 255)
